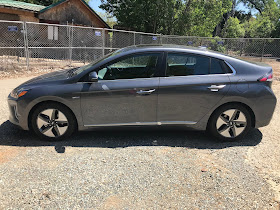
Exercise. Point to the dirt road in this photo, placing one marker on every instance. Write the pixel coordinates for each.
(138, 167)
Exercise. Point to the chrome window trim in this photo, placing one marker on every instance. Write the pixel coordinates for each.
(227, 74)
(189, 76)
(145, 123)
(119, 80)
(231, 67)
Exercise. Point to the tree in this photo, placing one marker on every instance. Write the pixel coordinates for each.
(266, 23)
(256, 4)
(233, 29)
(144, 15)
(204, 16)
(108, 19)
(181, 17)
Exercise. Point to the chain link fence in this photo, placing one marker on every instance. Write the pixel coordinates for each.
(28, 45)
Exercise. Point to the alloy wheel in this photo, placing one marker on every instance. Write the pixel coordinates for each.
(231, 123)
(52, 123)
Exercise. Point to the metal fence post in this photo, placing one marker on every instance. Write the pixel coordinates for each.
(26, 49)
(263, 49)
(70, 44)
(103, 42)
(134, 38)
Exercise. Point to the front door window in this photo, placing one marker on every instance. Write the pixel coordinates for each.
(133, 67)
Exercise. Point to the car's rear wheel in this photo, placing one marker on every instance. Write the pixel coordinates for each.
(230, 122)
(53, 121)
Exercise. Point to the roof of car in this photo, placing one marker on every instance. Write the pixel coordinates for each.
(170, 47)
(163, 46)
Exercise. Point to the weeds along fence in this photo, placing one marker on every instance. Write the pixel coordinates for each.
(29, 45)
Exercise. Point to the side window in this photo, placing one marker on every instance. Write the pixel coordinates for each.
(136, 66)
(186, 64)
(226, 68)
(219, 67)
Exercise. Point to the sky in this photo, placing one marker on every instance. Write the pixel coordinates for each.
(94, 4)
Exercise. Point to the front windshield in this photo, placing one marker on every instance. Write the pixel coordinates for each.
(76, 71)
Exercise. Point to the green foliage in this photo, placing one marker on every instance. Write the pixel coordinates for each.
(265, 24)
(217, 44)
(108, 19)
(190, 17)
(145, 15)
(233, 28)
(256, 4)
(261, 27)
(204, 16)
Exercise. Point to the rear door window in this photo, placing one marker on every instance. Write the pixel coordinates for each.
(187, 65)
(192, 64)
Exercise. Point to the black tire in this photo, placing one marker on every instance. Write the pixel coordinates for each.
(227, 127)
(66, 113)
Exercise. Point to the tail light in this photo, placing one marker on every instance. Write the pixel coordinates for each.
(267, 77)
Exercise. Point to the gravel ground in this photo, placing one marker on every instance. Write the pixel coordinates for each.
(133, 168)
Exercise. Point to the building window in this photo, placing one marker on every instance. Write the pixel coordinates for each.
(53, 32)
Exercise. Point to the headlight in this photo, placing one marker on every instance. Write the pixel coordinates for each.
(18, 93)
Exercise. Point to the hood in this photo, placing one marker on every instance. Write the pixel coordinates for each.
(50, 77)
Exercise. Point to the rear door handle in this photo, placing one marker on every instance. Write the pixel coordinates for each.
(216, 88)
(145, 92)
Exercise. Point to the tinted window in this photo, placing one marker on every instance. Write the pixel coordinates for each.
(216, 66)
(187, 64)
(226, 68)
(137, 66)
(219, 67)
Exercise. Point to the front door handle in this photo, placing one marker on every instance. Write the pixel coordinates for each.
(216, 88)
(145, 92)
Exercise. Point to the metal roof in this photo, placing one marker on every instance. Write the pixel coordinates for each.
(41, 8)
(21, 5)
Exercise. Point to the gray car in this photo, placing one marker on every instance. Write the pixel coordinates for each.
(149, 85)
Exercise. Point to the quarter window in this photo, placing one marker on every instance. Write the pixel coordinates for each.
(136, 66)
(217, 66)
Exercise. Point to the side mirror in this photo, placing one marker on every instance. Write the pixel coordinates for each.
(93, 77)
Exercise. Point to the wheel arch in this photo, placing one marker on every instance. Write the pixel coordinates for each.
(45, 102)
(252, 114)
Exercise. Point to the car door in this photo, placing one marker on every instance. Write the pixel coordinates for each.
(192, 86)
(126, 92)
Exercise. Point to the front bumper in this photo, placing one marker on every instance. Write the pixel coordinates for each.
(16, 116)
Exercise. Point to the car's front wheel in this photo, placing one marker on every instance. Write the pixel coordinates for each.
(53, 121)
(230, 122)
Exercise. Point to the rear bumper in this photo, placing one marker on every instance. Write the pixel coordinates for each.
(264, 108)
